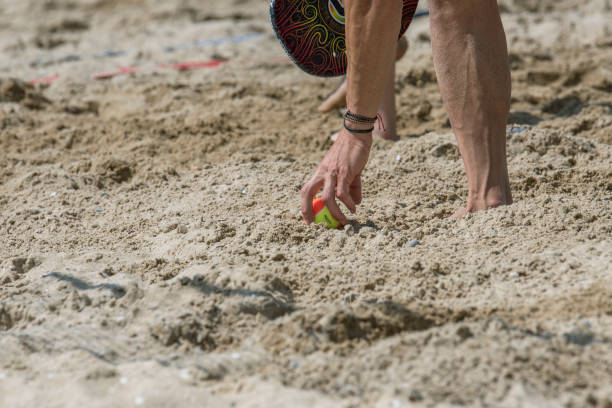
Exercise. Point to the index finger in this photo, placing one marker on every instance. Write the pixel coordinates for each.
(308, 192)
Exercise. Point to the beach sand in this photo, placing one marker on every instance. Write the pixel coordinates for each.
(152, 251)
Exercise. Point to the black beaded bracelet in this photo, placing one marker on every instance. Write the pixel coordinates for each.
(361, 131)
(355, 117)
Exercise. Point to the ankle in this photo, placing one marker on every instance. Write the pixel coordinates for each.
(489, 197)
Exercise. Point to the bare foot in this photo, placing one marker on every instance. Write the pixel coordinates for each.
(496, 197)
(337, 98)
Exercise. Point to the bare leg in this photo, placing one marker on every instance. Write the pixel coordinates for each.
(471, 62)
(386, 126)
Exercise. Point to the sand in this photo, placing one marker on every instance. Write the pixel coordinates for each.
(151, 248)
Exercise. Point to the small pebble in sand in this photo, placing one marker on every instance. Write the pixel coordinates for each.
(123, 380)
(413, 243)
(513, 275)
(182, 229)
(168, 226)
(349, 229)
(235, 356)
(398, 158)
(185, 374)
(99, 210)
(514, 131)
(243, 191)
(279, 256)
(580, 338)
(53, 193)
(415, 395)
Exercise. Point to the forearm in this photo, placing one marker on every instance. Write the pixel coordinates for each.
(372, 29)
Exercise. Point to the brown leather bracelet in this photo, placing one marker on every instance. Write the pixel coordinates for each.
(355, 117)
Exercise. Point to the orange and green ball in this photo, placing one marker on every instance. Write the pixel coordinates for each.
(322, 214)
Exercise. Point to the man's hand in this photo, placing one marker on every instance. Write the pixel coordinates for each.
(340, 176)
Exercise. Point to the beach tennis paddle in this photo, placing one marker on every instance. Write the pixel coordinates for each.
(312, 32)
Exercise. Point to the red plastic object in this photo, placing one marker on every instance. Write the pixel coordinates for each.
(197, 64)
(45, 80)
(122, 71)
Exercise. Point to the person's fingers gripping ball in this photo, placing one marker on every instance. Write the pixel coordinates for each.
(339, 174)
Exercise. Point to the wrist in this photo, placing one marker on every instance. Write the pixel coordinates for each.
(357, 125)
(363, 139)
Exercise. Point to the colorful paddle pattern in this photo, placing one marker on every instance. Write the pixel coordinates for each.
(312, 32)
